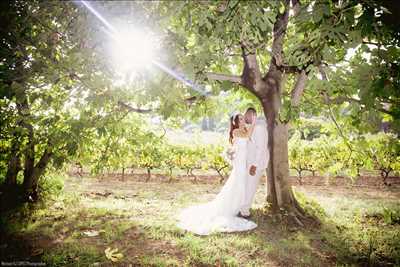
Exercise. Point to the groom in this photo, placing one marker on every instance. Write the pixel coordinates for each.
(257, 158)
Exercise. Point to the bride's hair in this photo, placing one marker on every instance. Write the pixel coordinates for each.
(234, 125)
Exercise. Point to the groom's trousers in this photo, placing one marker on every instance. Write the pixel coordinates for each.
(251, 189)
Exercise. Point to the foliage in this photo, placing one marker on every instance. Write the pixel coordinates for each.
(391, 216)
(148, 154)
(271, 48)
(172, 155)
(331, 154)
(215, 160)
(384, 152)
(126, 146)
(133, 144)
(51, 184)
(301, 155)
(61, 101)
(52, 86)
(191, 159)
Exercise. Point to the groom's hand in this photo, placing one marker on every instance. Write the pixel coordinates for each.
(253, 170)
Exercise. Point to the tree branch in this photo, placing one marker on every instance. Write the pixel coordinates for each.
(331, 115)
(190, 100)
(44, 159)
(298, 88)
(131, 109)
(342, 99)
(224, 77)
(371, 43)
(279, 30)
(289, 69)
(251, 74)
(296, 7)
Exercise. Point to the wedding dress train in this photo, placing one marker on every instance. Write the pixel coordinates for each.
(220, 214)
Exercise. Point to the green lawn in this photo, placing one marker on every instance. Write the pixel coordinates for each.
(359, 226)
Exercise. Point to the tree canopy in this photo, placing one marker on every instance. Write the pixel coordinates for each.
(59, 86)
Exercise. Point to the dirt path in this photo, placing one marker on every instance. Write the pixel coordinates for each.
(128, 188)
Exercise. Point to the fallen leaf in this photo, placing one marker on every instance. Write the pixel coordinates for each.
(91, 233)
(113, 255)
(36, 252)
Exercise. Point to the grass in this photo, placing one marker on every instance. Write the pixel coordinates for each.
(72, 254)
(359, 227)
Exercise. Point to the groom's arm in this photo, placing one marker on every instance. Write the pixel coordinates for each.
(261, 139)
(256, 136)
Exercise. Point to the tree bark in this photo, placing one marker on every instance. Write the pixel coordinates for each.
(29, 155)
(194, 176)
(224, 77)
(279, 191)
(14, 164)
(170, 178)
(221, 176)
(148, 174)
(299, 175)
(385, 175)
(31, 182)
(30, 179)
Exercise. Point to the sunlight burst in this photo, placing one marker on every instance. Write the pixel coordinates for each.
(132, 50)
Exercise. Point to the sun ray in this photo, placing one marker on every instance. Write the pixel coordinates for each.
(138, 50)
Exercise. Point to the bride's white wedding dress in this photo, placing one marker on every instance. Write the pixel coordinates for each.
(220, 215)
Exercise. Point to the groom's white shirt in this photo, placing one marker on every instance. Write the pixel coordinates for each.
(258, 146)
(256, 155)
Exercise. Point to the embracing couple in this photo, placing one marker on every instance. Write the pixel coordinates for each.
(230, 209)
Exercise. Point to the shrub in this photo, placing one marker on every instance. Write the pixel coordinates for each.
(51, 184)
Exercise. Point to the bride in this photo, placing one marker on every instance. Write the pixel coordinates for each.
(220, 214)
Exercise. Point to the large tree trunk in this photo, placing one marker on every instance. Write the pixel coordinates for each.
(14, 164)
(279, 191)
(278, 168)
(29, 155)
(31, 179)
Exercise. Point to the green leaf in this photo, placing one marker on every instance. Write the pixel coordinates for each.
(113, 255)
(281, 8)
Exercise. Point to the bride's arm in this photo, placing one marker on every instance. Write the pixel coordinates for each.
(230, 153)
(248, 133)
(251, 128)
(240, 133)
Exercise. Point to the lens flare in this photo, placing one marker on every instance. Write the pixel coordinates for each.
(132, 49)
(135, 50)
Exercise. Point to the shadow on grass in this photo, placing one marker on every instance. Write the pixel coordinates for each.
(77, 229)
(328, 242)
(355, 239)
(62, 233)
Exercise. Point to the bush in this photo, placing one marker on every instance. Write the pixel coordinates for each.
(215, 160)
(331, 155)
(51, 184)
(384, 152)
